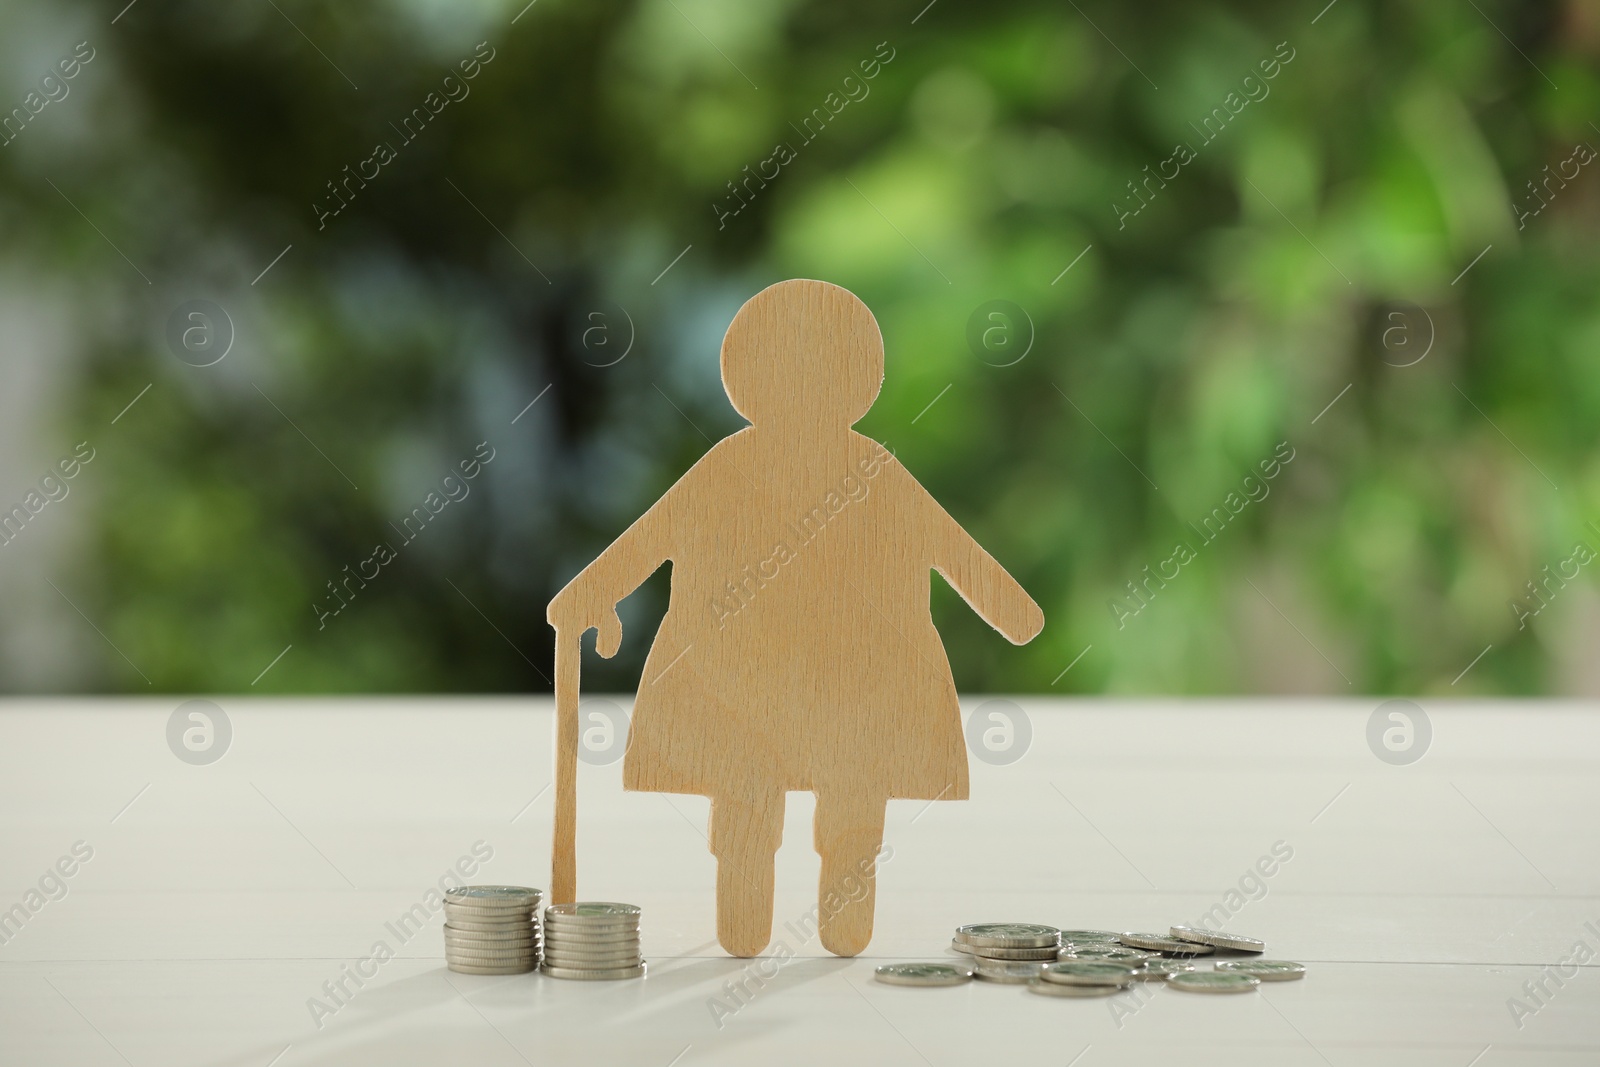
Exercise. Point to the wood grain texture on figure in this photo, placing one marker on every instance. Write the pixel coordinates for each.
(798, 650)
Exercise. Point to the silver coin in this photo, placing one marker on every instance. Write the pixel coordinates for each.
(492, 904)
(1189, 952)
(562, 933)
(1217, 939)
(518, 925)
(480, 956)
(590, 918)
(485, 959)
(564, 945)
(1057, 989)
(600, 911)
(467, 913)
(593, 947)
(581, 933)
(1014, 972)
(472, 915)
(1161, 943)
(1009, 935)
(474, 938)
(495, 895)
(493, 946)
(526, 963)
(470, 968)
(991, 953)
(1109, 953)
(1086, 972)
(1088, 937)
(615, 937)
(584, 959)
(961, 946)
(593, 976)
(923, 974)
(501, 905)
(520, 947)
(621, 964)
(567, 937)
(1266, 970)
(477, 929)
(1213, 982)
(1160, 970)
(460, 951)
(561, 919)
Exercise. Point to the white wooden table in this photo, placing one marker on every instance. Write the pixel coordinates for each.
(220, 898)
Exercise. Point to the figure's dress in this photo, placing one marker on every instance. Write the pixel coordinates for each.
(756, 563)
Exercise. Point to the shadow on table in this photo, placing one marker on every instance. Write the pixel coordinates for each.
(684, 1000)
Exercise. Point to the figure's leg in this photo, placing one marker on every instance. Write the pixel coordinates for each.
(849, 833)
(745, 833)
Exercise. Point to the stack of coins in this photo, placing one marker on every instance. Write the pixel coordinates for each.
(594, 941)
(1081, 978)
(1008, 952)
(492, 929)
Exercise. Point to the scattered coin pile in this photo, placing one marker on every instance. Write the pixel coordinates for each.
(492, 929)
(1095, 963)
(595, 941)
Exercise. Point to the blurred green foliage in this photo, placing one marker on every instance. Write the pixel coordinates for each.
(1306, 252)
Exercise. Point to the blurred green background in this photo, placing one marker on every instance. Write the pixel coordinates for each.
(1362, 262)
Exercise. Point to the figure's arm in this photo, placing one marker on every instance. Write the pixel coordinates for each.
(590, 600)
(972, 572)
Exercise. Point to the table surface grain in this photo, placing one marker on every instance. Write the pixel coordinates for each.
(1430, 901)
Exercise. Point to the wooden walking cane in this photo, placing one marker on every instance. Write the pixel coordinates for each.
(564, 861)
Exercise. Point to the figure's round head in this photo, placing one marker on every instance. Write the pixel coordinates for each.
(803, 352)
